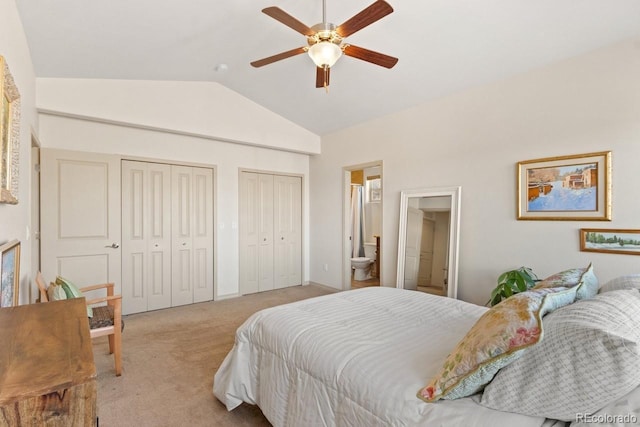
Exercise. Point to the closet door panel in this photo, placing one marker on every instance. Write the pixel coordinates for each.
(135, 199)
(282, 221)
(182, 236)
(265, 223)
(159, 237)
(249, 233)
(202, 234)
(295, 232)
(146, 236)
(288, 220)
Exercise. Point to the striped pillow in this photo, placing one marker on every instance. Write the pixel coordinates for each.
(589, 358)
(631, 281)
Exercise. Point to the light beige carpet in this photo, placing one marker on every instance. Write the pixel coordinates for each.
(169, 359)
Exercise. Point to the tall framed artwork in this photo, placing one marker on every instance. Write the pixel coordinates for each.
(575, 187)
(9, 273)
(9, 135)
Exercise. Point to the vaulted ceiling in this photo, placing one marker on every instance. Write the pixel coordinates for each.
(443, 46)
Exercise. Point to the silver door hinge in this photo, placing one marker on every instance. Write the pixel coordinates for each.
(36, 167)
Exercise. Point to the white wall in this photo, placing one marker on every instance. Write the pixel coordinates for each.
(82, 135)
(201, 108)
(14, 219)
(474, 139)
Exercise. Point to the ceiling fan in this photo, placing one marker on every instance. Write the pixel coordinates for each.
(325, 41)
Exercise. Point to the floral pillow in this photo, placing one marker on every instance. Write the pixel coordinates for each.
(498, 338)
(582, 278)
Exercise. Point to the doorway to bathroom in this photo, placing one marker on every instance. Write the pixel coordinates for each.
(362, 225)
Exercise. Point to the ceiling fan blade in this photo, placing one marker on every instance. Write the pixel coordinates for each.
(288, 20)
(278, 57)
(370, 56)
(322, 78)
(367, 16)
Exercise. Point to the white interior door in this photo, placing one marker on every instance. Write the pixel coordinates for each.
(440, 249)
(146, 236)
(412, 248)
(426, 253)
(287, 231)
(80, 217)
(35, 217)
(202, 234)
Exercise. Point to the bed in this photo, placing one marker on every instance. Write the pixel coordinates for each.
(566, 352)
(354, 358)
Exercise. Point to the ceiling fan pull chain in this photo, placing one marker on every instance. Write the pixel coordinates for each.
(326, 78)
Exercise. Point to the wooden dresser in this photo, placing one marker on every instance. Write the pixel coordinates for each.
(47, 374)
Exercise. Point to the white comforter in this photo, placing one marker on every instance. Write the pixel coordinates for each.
(354, 358)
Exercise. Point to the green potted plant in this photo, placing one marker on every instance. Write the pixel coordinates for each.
(513, 282)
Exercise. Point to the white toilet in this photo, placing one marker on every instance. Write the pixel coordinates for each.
(361, 267)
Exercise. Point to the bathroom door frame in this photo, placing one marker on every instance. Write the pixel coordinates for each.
(346, 219)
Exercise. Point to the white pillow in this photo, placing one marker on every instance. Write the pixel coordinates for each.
(588, 358)
(631, 281)
(623, 412)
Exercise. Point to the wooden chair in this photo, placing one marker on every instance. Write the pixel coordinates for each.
(106, 320)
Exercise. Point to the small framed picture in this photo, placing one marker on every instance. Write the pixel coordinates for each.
(576, 187)
(10, 273)
(374, 189)
(610, 241)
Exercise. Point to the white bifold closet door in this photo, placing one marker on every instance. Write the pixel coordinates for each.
(167, 230)
(191, 235)
(270, 231)
(146, 236)
(287, 208)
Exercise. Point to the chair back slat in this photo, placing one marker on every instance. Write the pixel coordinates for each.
(42, 285)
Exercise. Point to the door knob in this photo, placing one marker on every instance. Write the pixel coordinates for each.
(184, 243)
(265, 239)
(113, 246)
(282, 238)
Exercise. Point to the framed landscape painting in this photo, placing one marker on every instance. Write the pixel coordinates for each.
(9, 135)
(9, 273)
(576, 187)
(610, 241)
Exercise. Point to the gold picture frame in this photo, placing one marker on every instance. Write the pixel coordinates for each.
(575, 187)
(9, 135)
(9, 273)
(610, 241)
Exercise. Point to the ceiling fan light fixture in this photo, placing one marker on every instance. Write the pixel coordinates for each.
(325, 53)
